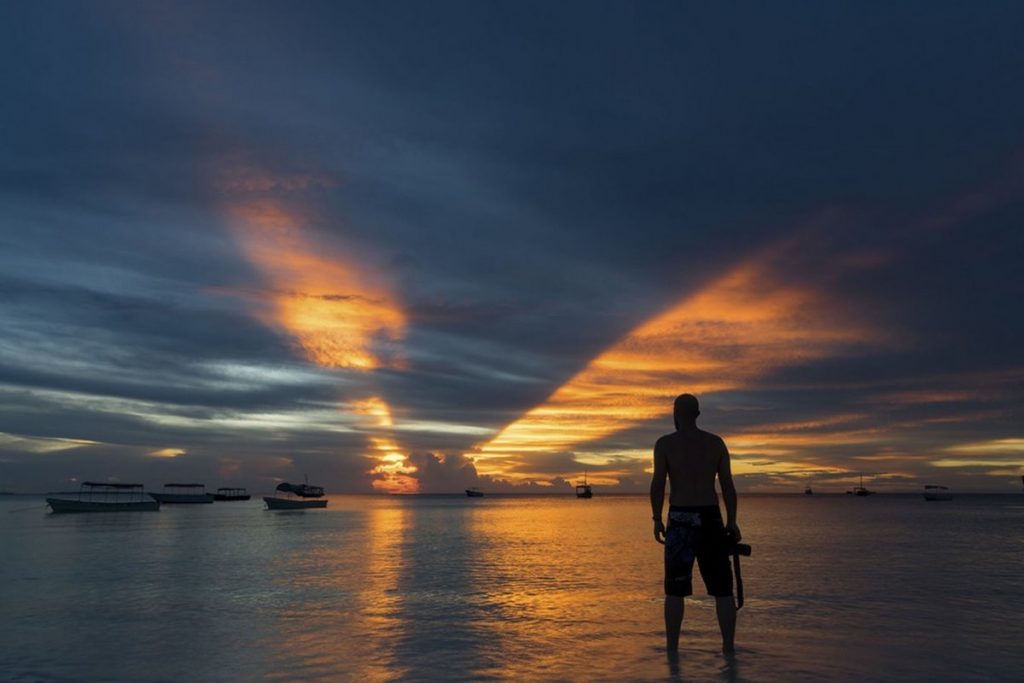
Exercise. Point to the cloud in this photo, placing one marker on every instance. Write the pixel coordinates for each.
(736, 329)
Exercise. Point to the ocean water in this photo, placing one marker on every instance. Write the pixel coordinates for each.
(506, 588)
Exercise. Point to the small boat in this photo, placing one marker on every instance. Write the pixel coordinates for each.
(225, 493)
(474, 493)
(935, 492)
(583, 488)
(303, 497)
(104, 497)
(860, 490)
(808, 491)
(183, 494)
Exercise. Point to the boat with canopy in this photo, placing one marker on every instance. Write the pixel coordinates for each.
(226, 493)
(183, 494)
(934, 492)
(95, 496)
(301, 497)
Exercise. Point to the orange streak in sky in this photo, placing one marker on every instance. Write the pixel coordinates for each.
(735, 330)
(336, 313)
(393, 471)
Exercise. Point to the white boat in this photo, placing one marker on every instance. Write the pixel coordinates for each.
(278, 503)
(183, 494)
(935, 492)
(103, 497)
(303, 497)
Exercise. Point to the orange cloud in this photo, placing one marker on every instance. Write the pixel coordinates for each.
(338, 314)
(393, 473)
(735, 330)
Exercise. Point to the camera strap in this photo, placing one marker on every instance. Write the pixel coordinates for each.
(739, 580)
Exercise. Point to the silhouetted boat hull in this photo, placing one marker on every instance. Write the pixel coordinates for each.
(274, 503)
(64, 505)
(229, 494)
(936, 493)
(474, 493)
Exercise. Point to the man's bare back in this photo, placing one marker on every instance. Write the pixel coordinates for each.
(692, 458)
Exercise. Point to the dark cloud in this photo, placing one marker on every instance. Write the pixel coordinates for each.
(533, 181)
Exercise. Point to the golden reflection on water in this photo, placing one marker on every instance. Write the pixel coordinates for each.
(343, 605)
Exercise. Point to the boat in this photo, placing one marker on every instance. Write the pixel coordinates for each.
(808, 491)
(936, 492)
(583, 489)
(303, 497)
(104, 497)
(860, 490)
(183, 494)
(474, 493)
(226, 493)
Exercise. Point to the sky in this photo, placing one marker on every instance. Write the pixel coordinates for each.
(417, 247)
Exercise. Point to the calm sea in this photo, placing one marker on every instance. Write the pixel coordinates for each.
(506, 588)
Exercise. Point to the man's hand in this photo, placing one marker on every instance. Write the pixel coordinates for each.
(659, 531)
(734, 531)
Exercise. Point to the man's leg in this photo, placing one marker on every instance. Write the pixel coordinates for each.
(674, 608)
(726, 609)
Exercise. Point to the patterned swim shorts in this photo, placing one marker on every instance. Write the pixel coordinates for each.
(696, 533)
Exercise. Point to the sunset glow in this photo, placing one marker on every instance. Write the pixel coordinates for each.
(735, 330)
(338, 314)
(392, 475)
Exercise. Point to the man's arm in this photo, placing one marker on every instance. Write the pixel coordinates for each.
(658, 491)
(728, 492)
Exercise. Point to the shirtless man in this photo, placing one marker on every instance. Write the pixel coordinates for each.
(692, 458)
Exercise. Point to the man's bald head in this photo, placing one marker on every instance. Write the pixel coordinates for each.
(686, 410)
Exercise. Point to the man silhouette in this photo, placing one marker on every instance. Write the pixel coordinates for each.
(692, 458)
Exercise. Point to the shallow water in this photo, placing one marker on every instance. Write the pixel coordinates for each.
(506, 588)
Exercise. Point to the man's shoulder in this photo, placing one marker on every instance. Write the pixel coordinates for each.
(664, 439)
(713, 438)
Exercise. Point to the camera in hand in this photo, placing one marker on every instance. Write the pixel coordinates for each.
(740, 549)
(734, 548)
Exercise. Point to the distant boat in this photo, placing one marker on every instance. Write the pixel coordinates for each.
(935, 492)
(304, 497)
(583, 489)
(183, 494)
(104, 497)
(227, 494)
(860, 490)
(474, 493)
(808, 491)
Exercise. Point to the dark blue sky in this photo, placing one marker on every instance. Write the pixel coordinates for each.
(482, 199)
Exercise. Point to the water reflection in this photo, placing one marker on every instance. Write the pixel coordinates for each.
(335, 605)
